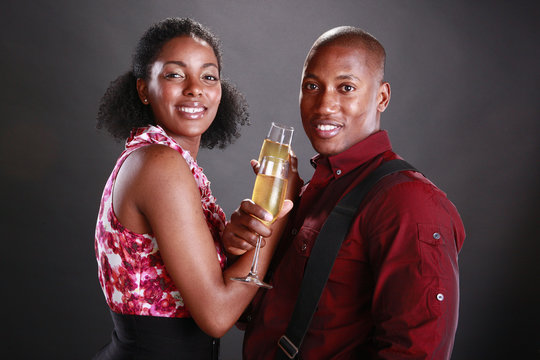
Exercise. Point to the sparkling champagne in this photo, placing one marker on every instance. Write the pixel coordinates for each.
(270, 187)
(269, 192)
(272, 148)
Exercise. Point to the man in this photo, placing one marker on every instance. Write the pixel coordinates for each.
(393, 291)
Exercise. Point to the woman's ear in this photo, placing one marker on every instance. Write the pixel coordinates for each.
(142, 90)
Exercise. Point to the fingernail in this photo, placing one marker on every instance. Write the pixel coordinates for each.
(268, 216)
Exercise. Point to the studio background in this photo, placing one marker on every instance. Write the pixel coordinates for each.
(465, 110)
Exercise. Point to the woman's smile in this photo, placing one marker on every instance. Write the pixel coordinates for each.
(192, 111)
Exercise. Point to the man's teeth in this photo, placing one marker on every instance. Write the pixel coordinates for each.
(326, 127)
(191, 110)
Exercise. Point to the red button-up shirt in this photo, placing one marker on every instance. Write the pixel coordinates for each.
(393, 291)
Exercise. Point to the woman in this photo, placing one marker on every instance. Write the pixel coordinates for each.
(160, 261)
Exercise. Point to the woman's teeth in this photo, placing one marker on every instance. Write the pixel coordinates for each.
(191, 110)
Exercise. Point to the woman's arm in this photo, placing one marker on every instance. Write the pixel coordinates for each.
(156, 183)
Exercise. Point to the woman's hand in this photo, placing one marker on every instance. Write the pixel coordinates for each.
(241, 233)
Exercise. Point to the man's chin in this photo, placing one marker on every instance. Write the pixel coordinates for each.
(327, 150)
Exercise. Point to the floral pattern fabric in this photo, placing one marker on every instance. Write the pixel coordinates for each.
(130, 269)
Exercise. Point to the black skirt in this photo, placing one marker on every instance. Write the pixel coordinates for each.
(138, 337)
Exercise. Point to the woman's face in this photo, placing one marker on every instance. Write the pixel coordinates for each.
(183, 88)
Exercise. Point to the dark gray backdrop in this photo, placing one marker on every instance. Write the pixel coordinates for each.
(464, 109)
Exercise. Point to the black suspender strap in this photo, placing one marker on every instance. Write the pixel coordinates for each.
(323, 255)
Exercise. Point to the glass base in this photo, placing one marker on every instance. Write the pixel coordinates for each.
(252, 280)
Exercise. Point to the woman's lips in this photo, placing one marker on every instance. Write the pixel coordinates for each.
(192, 111)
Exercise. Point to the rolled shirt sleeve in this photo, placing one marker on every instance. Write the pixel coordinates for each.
(415, 234)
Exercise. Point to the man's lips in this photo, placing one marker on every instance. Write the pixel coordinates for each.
(327, 130)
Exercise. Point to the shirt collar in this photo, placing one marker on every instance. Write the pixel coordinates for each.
(357, 155)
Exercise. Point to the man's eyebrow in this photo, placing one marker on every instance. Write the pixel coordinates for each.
(347, 77)
(339, 77)
(183, 64)
(310, 76)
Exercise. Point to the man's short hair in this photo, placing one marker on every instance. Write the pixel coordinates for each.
(352, 36)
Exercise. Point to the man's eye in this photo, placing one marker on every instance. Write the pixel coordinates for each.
(310, 86)
(348, 88)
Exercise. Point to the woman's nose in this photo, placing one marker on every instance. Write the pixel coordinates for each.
(193, 87)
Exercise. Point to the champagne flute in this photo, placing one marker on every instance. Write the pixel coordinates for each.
(277, 142)
(269, 192)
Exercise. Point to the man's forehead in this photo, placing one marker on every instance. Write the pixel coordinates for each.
(339, 50)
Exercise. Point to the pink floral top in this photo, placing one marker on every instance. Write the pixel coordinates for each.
(130, 269)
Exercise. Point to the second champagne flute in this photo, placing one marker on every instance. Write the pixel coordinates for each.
(269, 193)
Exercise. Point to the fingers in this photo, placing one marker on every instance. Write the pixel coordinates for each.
(250, 208)
(255, 165)
(293, 161)
(295, 182)
(242, 231)
(287, 206)
(237, 239)
(234, 250)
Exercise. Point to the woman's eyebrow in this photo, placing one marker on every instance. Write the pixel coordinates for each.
(183, 64)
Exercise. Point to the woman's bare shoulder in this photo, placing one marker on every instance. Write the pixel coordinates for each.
(158, 160)
(158, 169)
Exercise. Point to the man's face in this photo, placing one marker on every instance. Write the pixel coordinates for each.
(341, 98)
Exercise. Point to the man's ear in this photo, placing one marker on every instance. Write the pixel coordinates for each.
(383, 97)
(142, 90)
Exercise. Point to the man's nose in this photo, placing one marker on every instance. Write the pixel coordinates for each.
(328, 102)
(193, 87)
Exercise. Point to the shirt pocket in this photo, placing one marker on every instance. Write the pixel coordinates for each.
(304, 239)
(432, 242)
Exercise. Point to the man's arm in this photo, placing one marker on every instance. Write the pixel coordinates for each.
(415, 235)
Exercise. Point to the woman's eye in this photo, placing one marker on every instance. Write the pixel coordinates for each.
(210, 78)
(173, 76)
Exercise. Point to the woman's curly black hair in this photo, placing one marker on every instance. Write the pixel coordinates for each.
(121, 110)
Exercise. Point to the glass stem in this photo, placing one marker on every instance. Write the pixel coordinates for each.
(255, 261)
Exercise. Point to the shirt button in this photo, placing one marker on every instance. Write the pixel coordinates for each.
(338, 172)
(304, 247)
(440, 297)
(436, 236)
(294, 231)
